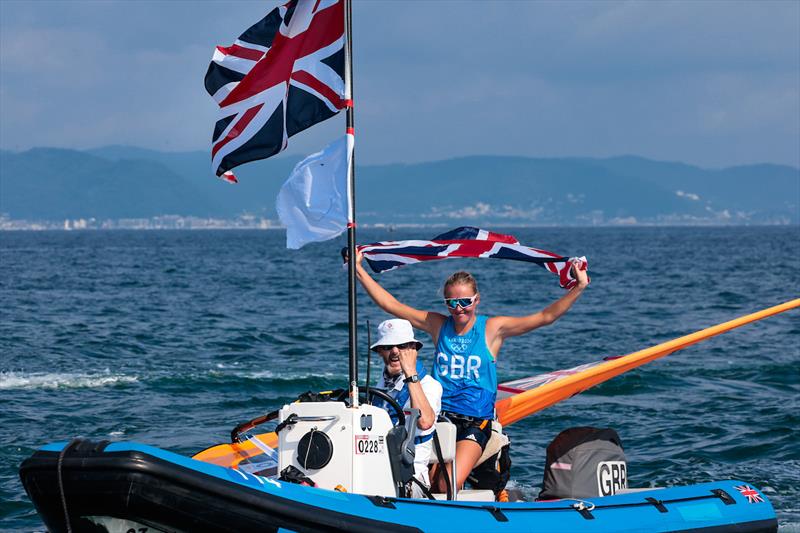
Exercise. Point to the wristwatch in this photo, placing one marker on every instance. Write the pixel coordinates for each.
(412, 379)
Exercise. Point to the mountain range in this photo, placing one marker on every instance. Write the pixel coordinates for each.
(116, 182)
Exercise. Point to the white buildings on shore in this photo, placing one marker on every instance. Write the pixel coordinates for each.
(245, 221)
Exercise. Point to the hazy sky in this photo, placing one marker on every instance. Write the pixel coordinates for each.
(712, 83)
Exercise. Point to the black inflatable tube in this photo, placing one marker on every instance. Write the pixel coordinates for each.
(136, 486)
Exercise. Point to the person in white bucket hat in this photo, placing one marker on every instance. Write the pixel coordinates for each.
(406, 380)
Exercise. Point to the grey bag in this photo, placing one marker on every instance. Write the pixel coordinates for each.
(584, 462)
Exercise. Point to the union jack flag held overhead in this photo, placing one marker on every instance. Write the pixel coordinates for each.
(467, 241)
(281, 76)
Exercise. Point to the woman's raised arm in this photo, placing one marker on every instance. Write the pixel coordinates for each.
(427, 321)
(500, 328)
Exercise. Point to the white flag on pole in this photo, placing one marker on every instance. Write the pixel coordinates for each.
(313, 203)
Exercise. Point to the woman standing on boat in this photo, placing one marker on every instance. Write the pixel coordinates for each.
(467, 345)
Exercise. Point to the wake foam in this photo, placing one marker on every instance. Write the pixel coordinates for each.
(55, 380)
(227, 372)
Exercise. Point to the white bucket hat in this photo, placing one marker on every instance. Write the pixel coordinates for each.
(393, 332)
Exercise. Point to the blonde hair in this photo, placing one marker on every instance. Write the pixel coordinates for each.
(461, 278)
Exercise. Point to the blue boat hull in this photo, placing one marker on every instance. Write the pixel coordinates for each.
(171, 492)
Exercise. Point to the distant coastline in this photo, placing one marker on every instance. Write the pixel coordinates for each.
(248, 222)
(130, 188)
(163, 222)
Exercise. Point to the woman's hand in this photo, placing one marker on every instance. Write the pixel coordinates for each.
(579, 274)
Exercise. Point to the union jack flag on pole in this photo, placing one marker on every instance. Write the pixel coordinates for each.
(281, 76)
(468, 242)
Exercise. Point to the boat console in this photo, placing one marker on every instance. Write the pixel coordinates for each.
(341, 448)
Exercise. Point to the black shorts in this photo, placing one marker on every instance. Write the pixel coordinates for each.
(474, 429)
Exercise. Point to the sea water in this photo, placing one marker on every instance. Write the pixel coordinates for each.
(172, 338)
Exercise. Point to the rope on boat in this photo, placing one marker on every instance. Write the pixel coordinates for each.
(61, 492)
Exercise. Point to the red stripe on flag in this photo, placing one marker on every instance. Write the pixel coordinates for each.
(348, 103)
(242, 52)
(237, 129)
(307, 79)
(276, 67)
(500, 237)
(229, 177)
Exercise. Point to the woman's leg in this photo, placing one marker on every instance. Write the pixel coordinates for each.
(467, 454)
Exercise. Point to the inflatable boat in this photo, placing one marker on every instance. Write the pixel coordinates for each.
(133, 487)
(353, 457)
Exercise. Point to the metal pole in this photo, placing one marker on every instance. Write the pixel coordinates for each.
(351, 219)
(369, 359)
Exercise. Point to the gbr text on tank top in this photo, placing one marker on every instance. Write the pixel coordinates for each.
(466, 369)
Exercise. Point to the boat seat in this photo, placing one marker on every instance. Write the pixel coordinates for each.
(446, 432)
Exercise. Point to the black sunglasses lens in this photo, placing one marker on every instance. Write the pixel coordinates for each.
(404, 346)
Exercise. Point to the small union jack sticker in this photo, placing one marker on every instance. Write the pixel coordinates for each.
(750, 493)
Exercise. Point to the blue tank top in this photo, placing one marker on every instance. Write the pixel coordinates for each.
(466, 369)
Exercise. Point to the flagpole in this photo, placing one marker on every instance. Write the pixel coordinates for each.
(351, 212)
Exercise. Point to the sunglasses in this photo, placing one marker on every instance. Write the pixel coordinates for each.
(463, 303)
(404, 346)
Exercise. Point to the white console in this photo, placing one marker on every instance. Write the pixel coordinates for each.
(337, 446)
